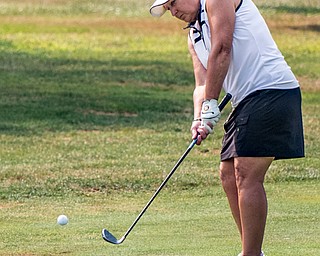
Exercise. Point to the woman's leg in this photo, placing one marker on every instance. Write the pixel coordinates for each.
(252, 201)
(228, 180)
(242, 180)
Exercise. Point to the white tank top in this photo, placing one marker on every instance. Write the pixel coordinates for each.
(256, 62)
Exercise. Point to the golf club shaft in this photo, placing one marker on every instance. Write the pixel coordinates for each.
(111, 238)
(222, 104)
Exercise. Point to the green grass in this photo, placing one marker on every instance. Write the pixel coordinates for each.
(191, 222)
(96, 103)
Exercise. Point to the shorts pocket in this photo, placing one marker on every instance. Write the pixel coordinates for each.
(241, 128)
(242, 121)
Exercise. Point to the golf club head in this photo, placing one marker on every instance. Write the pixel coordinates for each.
(106, 235)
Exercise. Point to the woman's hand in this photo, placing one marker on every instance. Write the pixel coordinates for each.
(199, 132)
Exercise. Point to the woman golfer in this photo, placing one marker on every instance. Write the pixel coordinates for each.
(232, 49)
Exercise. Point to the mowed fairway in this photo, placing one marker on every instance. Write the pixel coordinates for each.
(95, 109)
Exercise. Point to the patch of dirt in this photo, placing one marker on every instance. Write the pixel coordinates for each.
(309, 85)
(102, 113)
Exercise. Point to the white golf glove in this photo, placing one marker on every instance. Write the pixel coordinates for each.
(210, 114)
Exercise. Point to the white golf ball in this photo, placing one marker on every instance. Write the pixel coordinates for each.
(62, 220)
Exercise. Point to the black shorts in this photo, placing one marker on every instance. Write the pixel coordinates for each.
(267, 123)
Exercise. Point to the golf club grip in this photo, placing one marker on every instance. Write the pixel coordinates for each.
(225, 101)
(221, 106)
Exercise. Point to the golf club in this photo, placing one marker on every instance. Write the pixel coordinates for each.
(107, 236)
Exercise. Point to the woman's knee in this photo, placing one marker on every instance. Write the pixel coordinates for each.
(227, 175)
(250, 171)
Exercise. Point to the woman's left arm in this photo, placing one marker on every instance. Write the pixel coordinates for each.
(221, 15)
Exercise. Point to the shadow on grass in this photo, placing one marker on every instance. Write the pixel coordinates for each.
(41, 93)
(291, 9)
(313, 27)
